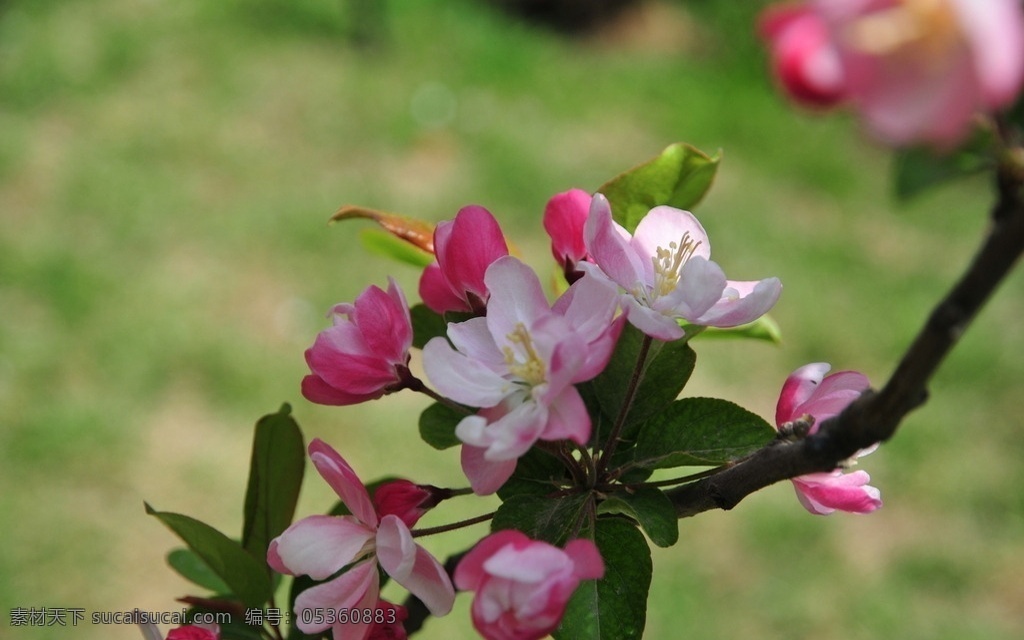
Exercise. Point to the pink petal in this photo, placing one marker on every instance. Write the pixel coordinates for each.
(533, 563)
(339, 356)
(804, 59)
(412, 567)
(568, 418)
(343, 480)
(663, 225)
(383, 321)
(823, 493)
(354, 587)
(485, 476)
(318, 546)
(586, 558)
(437, 293)
(743, 302)
(516, 297)
(472, 244)
(470, 570)
(315, 389)
(651, 322)
(462, 378)
(797, 389)
(700, 287)
(610, 250)
(995, 31)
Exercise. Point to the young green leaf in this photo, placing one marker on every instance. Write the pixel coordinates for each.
(764, 328)
(549, 519)
(700, 432)
(917, 170)
(614, 607)
(191, 567)
(679, 177)
(437, 425)
(651, 508)
(245, 576)
(275, 477)
(390, 246)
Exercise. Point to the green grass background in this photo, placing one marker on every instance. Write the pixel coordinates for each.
(166, 172)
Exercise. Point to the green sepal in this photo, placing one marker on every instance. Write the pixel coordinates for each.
(679, 177)
(427, 324)
(275, 478)
(614, 607)
(385, 244)
(437, 425)
(549, 519)
(651, 508)
(764, 328)
(700, 432)
(190, 566)
(245, 576)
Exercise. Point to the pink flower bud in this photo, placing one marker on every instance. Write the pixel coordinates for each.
(522, 585)
(564, 217)
(393, 615)
(803, 58)
(406, 500)
(193, 632)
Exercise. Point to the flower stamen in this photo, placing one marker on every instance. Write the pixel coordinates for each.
(532, 368)
(668, 263)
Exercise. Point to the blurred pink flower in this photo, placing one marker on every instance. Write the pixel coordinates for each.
(360, 358)
(393, 615)
(519, 364)
(464, 248)
(915, 70)
(667, 273)
(807, 391)
(320, 546)
(522, 585)
(193, 632)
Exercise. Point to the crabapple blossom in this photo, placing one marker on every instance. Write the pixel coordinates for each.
(519, 364)
(915, 70)
(807, 391)
(320, 546)
(406, 500)
(464, 248)
(193, 632)
(667, 273)
(362, 356)
(522, 585)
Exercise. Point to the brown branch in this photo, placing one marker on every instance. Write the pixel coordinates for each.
(874, 417)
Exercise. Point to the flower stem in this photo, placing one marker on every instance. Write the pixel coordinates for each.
(627, 402)
(453, 526)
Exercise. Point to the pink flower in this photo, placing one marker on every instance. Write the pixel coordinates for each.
(464, 248)
(915, 70)
(392, 616)
(519, 363)
(362, 356)
(564, 217)
(808, 392)
(406, 500)
(320, 546)
(193, 632)
(521, 585)
(666, 270)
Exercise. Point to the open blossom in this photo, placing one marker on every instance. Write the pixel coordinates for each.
(667, 273)
(320, 546)
(464, 248)
(522, 585)
(807, 391)
(360, 358)
(915, 70)
(519, 364)
(564, 217)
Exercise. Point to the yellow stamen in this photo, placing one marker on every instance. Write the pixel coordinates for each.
(926, 27)
(668, 263)
(532, 368)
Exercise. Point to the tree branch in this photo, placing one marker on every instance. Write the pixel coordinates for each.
(874, 417)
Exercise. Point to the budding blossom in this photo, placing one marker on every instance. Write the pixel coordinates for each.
(522, 585)
(406, 500)
(807, 391)
(564, 218)
(666, 270)
(915, 70)
(464, 248)
(363, 355)
(519, 364)
(320, 546)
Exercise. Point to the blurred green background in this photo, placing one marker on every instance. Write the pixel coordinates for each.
(166, 173)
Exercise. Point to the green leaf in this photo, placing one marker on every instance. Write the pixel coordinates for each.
(764, 328)
(614, 607)
(548, 519)
(651, 508)
(191, 567)
(437, 425)
(537, 473)
(275, 477)
(679, 177)
(244, 575)
(669, 365)
(385, 244)
(918, 169)
(700, 432)
(426, 325)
